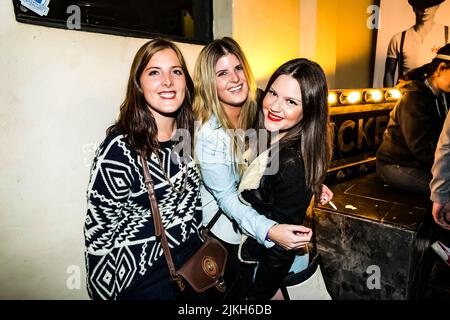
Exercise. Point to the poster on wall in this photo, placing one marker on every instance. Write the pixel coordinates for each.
(416, 28)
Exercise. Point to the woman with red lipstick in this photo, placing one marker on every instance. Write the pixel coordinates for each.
(124, 260)
(296, 114)
(225, 100)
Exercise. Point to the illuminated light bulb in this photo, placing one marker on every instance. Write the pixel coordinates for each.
(351, 97)
(393, 94)
(396, 94)
(373, 96)
(332, 98)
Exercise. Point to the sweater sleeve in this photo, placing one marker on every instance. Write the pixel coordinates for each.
(440, 184)
(108, 191)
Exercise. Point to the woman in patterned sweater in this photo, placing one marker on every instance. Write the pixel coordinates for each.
(123, 258)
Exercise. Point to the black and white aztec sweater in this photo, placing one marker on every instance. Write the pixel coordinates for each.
(119, 232)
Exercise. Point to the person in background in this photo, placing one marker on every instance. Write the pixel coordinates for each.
(124, 260)
(440, 192)
(225, 100)
(440, 183)
(406, 155)
(295, 108)
(417, 45)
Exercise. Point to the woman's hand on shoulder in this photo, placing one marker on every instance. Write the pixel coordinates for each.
(290, 236)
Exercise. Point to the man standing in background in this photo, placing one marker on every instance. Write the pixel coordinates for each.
(417, 45)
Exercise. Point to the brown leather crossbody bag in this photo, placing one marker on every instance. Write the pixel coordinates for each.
(205, 268)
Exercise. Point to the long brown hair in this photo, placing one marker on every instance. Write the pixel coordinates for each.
(312, 135)
(135, 121)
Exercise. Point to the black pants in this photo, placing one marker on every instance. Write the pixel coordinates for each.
(406, 178)
(154, 286)
(238, 276)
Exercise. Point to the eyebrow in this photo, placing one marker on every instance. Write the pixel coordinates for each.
(159, 68)
(238, 65)
(288, 98)
(296, 99)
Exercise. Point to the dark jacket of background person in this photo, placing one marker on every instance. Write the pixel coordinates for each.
(414, 126)
(282, 197)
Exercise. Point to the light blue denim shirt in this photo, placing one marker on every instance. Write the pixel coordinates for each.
(220, 181)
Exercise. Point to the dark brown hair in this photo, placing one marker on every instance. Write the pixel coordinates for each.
(312, 135)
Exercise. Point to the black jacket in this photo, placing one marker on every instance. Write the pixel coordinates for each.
(282, 197)
(414, 127)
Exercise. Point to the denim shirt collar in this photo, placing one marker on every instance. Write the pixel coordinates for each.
(214, 122)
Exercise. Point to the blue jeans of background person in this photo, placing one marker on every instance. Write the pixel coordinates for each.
(406, 178)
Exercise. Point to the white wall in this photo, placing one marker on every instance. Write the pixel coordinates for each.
(223, 18)
(59, 91)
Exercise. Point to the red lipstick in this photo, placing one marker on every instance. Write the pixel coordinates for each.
(273, 117)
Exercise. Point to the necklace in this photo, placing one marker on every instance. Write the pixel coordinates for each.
(183, 172)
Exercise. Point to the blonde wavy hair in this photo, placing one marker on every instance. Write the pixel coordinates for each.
(206, 100)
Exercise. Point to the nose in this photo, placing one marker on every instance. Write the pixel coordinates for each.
(167, 80)
(234, 77)
(275, 106)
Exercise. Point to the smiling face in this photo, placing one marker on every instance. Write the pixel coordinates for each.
(163, 83)
(231, 83)
(282, 105)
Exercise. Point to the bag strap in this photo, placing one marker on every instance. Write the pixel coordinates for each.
(159, 228)
(214, 219)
